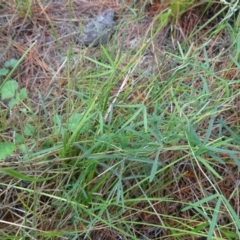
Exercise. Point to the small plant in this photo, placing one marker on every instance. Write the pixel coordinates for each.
(6, 149)
(9, 89)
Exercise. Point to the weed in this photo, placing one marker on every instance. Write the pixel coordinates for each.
(137, 139)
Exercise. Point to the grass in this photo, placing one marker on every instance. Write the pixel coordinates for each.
(138, 139)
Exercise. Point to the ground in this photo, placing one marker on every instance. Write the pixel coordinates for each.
(171, 173)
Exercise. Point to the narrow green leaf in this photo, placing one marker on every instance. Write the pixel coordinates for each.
(208, 166)
(200, 202)
(233, 214)
(236, 160)
(214, 220)
(99, 63)
(21, 176)
(154, 166)
(210, 127)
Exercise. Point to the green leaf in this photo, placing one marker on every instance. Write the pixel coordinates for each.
(13, 102)
(200, 202)
(9, 89)
(154, 166)
(214, 219)
(163, 18)
(19, 139)
(3, 71)
(6, 149)
(29, 130)
(23, 94)
(23, 148)
(18, 98)
(11, 63)
(73, 122)
(18, 175)
(209, 167)
(58, 127)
